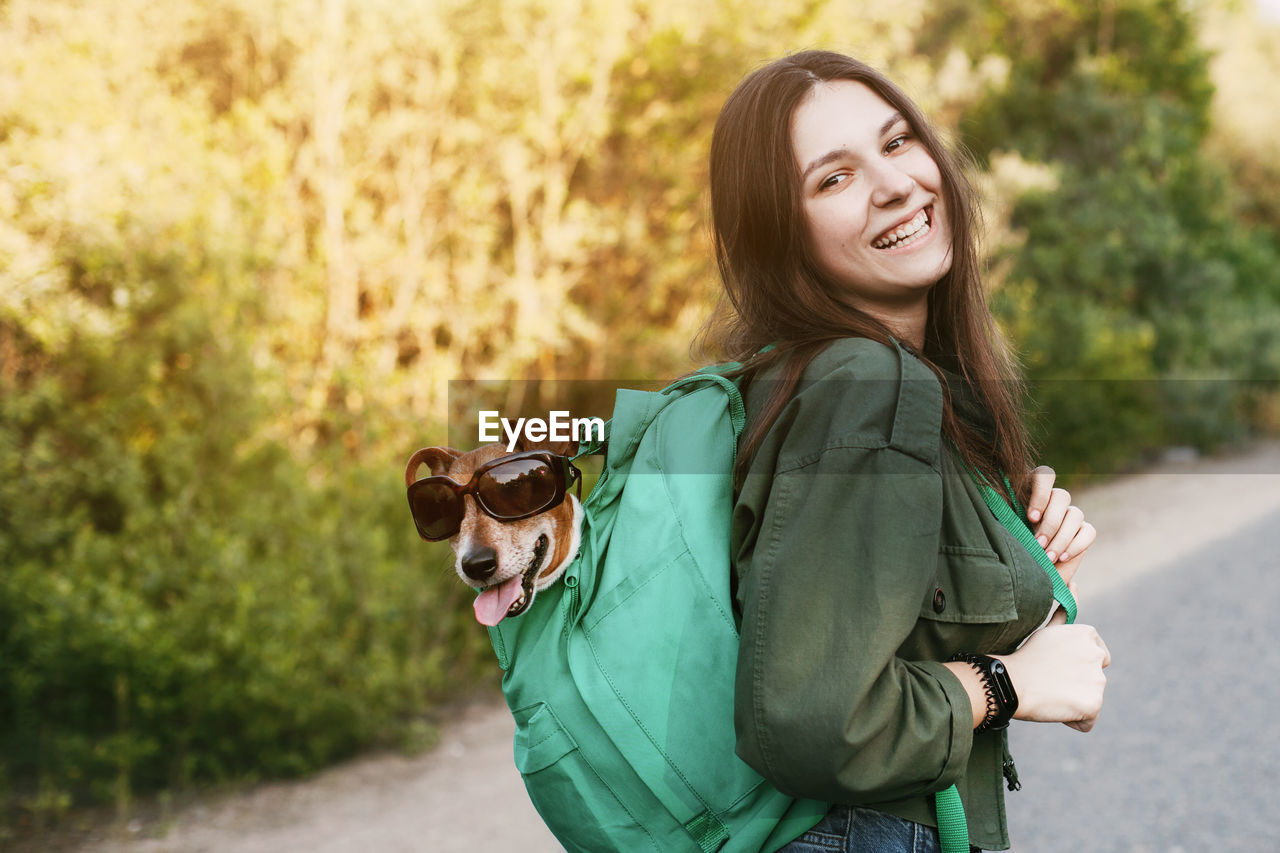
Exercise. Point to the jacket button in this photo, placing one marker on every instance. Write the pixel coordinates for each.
(939, 600)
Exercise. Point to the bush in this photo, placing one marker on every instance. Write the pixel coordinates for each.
(1144, 309)
(182, 599)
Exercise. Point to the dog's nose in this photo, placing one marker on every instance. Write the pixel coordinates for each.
(480, 564)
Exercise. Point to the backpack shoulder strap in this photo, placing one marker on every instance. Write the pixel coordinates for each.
(712, 374)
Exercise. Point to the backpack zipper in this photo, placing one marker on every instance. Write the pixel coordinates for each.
(571, 611)
(1010, 772)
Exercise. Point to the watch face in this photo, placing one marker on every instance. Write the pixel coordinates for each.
(1002, 686)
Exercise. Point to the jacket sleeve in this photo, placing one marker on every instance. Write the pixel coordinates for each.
(841, 561)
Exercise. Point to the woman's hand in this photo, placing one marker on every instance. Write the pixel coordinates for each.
(1058, 674)
(1060, 527)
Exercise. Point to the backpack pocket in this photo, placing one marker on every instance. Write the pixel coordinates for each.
(575, 802)
(540, 739)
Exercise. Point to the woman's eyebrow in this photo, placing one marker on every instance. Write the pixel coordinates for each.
(834, 154)
(890, 122)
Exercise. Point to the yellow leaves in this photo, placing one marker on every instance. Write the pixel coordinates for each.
(142, 440)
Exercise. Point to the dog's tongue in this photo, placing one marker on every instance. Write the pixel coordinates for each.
(493, 604)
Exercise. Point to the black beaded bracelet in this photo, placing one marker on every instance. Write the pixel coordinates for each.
(1002, 699)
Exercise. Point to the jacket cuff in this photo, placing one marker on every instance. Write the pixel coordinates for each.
(957, 756)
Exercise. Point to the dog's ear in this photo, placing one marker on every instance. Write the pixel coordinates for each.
(437, 460)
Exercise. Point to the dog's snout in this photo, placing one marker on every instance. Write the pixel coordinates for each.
(480, 564)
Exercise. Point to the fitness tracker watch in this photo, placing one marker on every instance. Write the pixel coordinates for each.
(1002, 699)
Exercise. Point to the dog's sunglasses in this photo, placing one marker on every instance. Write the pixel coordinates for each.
(508, 489)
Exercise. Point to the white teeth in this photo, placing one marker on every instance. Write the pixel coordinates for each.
(905, 234)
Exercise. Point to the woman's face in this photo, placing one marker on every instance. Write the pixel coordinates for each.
(872, 198)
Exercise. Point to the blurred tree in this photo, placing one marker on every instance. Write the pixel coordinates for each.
(1133, 266)
(181, 598)
(1246, 65)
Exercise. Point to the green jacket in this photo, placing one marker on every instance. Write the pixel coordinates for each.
(864, 556)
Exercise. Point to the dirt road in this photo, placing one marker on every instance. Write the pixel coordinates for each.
(465, 795)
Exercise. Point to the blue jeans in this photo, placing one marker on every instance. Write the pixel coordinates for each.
(850, 829)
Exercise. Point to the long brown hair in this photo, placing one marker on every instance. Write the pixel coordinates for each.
(775, 292)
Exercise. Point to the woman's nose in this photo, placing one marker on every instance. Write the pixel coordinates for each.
(892, 185)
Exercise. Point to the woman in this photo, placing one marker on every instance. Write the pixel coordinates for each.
(865, 556)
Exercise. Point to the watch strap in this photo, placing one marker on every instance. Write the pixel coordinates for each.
(1002, 699)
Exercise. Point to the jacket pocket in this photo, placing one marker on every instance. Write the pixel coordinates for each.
(972, 586)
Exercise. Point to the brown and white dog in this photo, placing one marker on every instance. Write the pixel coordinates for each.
(509, 561)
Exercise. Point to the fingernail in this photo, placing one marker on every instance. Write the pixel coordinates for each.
(1043, 540)
(1052, 558)
(1063, 557)
(1034, 515)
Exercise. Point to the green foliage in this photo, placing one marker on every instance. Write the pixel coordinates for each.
(183, 600)
(199, 578)
(1137, 48)
(1142, 305)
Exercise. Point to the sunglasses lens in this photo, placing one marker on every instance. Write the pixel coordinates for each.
(517, 488)
(436, 510)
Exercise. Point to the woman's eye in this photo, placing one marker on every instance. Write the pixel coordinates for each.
(832, 181)
(896, 143)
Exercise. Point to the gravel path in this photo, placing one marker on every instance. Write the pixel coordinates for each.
(465, 795)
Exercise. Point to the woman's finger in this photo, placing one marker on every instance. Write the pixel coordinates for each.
(1072, 519)
(1054, 512)
(1041, 484)
(1084, 537)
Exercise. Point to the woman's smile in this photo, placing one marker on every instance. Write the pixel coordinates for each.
(912, 232)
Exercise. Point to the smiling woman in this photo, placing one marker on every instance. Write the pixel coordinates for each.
(870, 193)
(895, 610)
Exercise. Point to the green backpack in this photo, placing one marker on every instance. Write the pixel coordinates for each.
(621, 676)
